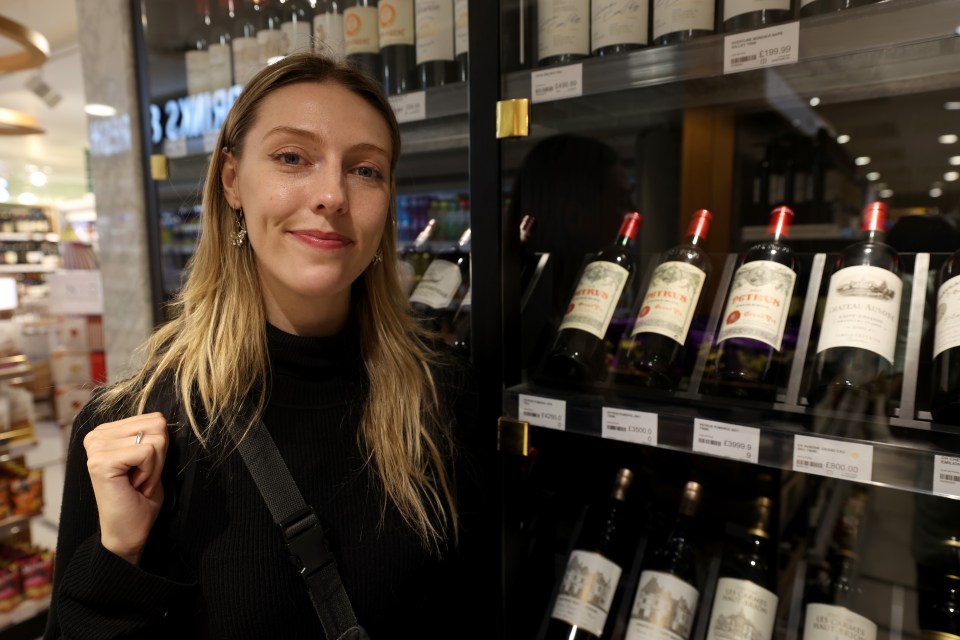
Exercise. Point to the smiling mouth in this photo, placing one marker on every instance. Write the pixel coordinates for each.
(322, 240)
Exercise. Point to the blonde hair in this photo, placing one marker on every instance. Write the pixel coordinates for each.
(214, 350)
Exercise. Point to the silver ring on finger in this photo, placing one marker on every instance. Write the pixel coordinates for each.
(139, 436)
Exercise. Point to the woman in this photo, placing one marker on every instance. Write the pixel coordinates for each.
(292, 312)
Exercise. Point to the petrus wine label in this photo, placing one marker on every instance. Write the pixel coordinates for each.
(742, 609)
(587, 590)
(670, 301)
(947, 332)
(595, 298)
(663, 609)
(759, 302)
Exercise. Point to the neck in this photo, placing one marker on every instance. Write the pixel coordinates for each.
(314, 318)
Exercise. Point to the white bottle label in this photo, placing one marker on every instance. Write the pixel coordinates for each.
(434, 25)
(221, 75)
(295, 36)
(563, 27)
(328, 34)
(947, 332)
(828, 622)
(862, 310)
(742, 609)
(586, 592)
(804, 3)
(360, 30)
(670, 301)
(270, 44)
(618, 22)
(759, 303)
(396, 22)
(407, 276)
(595, 298)
(467, 301)
(246, 54)
(439, 284)
(198, 76)
(733, 8)
(663, 609)
(670, 16)
(461, 32)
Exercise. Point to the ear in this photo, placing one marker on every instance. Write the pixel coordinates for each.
(228, 178)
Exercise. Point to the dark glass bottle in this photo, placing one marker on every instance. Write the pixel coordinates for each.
(858, 332)
(269, 35)
(443, 285)
(244, 43)
(361, 37)
(563, 31)
(328, 31)
(397, 46)
(656, 348)
(939, 601)
(415, 258)
(296, 27)
(618, 26)
(197, 57)
(945, 405)
(461, 39)
(684, 20)
(594, 568)
(436, 53)
(579, 351)
(751, 339)
(816, 7)
(754, 14)
(745, 593)
(665, 604)
(219, 47)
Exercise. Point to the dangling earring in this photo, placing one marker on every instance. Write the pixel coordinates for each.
(240, 234)
(378, 257)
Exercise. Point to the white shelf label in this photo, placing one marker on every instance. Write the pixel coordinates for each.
(946, 475)
(834, 459)
(767, 47)
(638, 427)
(175, 148)
(409, 107)
(726, 440)
(557, 84)
(543, 412)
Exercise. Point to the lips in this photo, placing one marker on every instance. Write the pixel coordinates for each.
(322, 239)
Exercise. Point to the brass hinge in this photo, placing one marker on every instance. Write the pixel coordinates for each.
(159, 167)
(513, 118)
(513, 437)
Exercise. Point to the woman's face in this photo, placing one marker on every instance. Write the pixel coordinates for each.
(313, 181)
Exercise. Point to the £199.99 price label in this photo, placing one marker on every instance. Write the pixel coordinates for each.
(832, 458)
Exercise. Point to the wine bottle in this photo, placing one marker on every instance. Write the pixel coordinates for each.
(618, 26)
(397, 46)
(436, 53)
(269, 36)
(197, 57)
(594, 568)
(328, 28)
(681, 21)
(296, 27)
(528, 262)
(461, 39)
(656, 349)
(858, 332)
(751, 336)
(243, 43)
(744, 595)
(816, 7)
(665, 604)
(219, 48)
(579, 351)
(945, 405)
(443, 285)
(563, 31)
(938, 608)
(415, 258)
(740, 15)
(361, 37)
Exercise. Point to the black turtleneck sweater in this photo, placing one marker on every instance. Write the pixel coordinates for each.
(215, 565)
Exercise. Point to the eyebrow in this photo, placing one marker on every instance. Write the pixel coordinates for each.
(297, 131)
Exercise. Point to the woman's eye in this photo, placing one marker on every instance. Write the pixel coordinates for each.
(288, 157)
(367, 172)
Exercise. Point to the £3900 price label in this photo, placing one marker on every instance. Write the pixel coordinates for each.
(834, 459)
(543, 412)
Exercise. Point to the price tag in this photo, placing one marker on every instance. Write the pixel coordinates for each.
(544, 412)
(768, 47)
(946, 475)
(726, 440)
(557, 84)
(210, 141)
(409, 107)
(175, 148)
(638, 427)
(834, 459)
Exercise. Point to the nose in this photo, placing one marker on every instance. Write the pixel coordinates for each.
(330, 189)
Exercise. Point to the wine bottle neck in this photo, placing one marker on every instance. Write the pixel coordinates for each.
(873, 235)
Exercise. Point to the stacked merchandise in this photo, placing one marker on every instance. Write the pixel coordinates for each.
(78, 363)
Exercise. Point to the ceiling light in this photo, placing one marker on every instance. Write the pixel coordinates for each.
(4, 195)
(953, 105)
(861, 161)
(954, 160)
(35, 51)
(16, 123)
(814, 101)
(886, 193)
(27, 198)
(843, 138)
(95, 109)
(951, 176)
(873, 175)
(936, 192)
(949, 138)
(38, 178)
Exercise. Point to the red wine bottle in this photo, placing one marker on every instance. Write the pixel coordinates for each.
(579, 351)
(415, 259)
(938, 608)
(436, 47)
(668, 582)
(446, 281)
(681, 21)
(618, 26)
(816, 7)
(461, 39)
(656, 349)
(361, 37)
(563, 31)
(740, 15)
(858, 332)
(397, 46)
(751, 337)
(945, 405)
(594, 567)
(745, 591)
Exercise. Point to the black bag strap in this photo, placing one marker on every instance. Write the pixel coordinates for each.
(302, 532)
